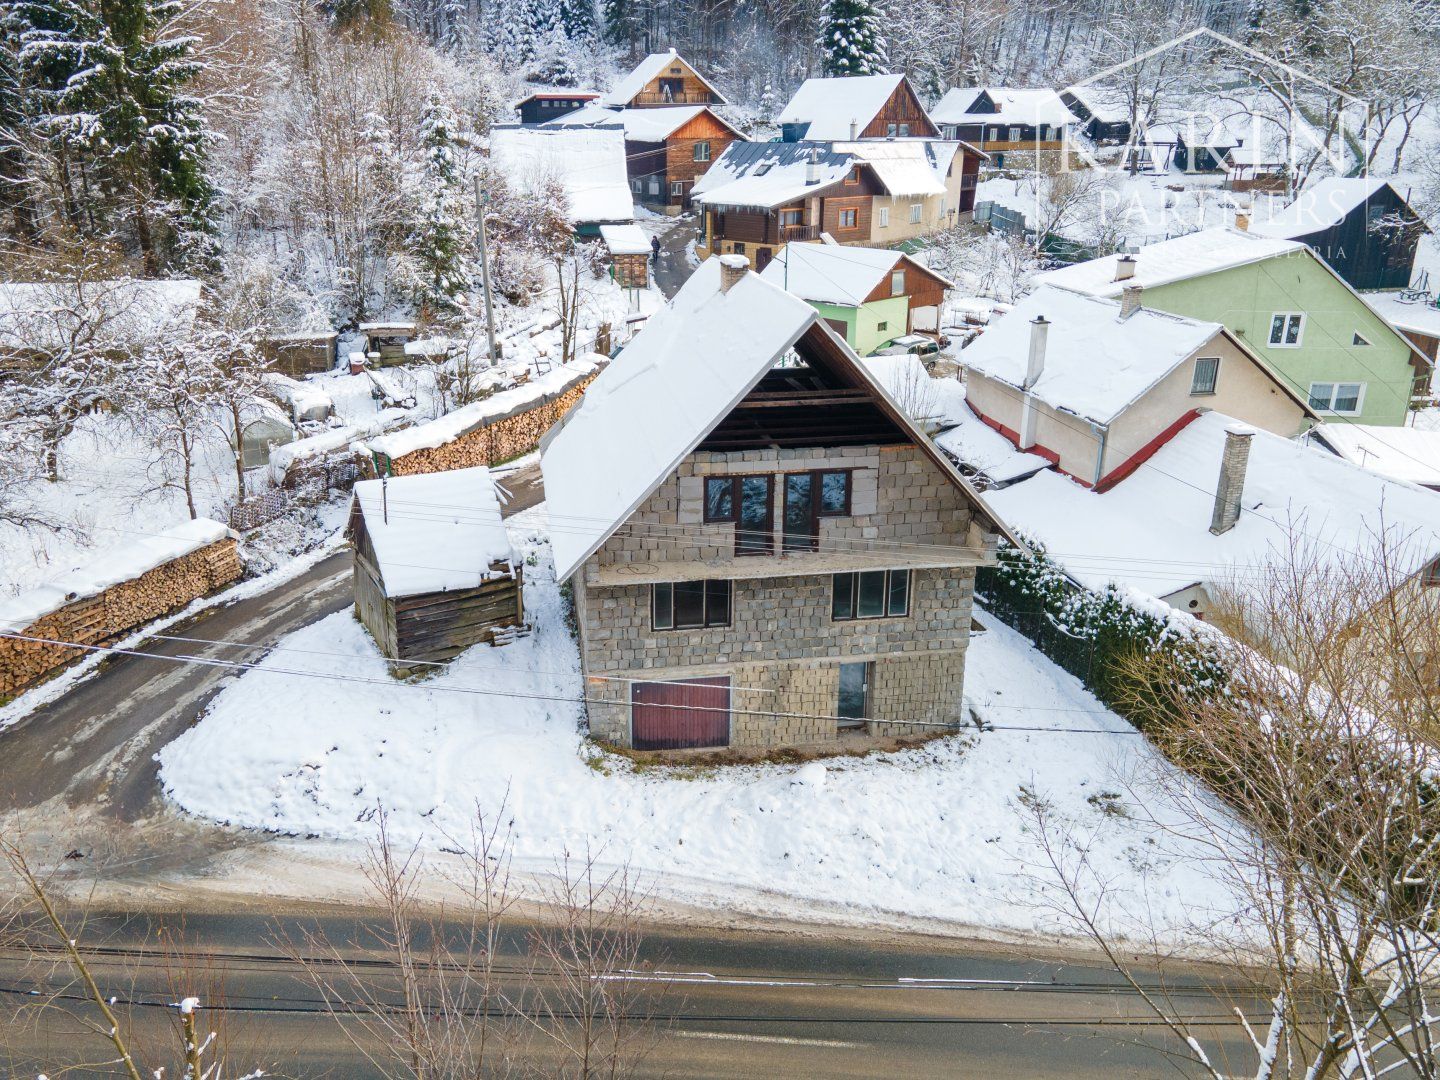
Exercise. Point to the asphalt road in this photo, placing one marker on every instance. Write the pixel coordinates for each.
(724, 1006)
(672, 270)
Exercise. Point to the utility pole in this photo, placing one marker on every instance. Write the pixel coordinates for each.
(482, 198)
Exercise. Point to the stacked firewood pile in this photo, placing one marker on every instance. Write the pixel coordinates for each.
(108, 615)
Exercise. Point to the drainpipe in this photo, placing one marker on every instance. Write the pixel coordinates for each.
(1103, 434)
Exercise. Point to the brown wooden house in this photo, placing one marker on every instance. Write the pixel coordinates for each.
(434, 569)
(662, 79)
(858, 107)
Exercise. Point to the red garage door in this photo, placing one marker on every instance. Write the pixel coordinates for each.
(668, 716)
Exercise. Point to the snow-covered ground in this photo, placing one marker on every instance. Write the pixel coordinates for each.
(320, 735)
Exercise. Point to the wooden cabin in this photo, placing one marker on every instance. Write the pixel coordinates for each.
(855, 107)
(1000, 120)
(542, 107)
(662, 79)
(305, 352)
(629, 254)
(434, 569)
(385, 342)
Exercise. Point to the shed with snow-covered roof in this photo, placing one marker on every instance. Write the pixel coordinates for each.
(434, 572)
(587, 164)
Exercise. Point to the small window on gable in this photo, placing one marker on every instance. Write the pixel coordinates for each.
(904, 130)
(853, 176)
(891, 130)
(1207, 371)
(897, 283)
(1359, 339)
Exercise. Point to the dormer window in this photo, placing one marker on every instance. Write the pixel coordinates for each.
(853, 177)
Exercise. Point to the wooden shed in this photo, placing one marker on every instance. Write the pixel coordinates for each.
(434, 569)
(303, 352)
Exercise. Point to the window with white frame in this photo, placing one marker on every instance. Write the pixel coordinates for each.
(636, 184)
(1207, 372)
(897, 283)
(1014, 134)
(677, 187)
(883, 218)
(1341, 398)
(702, 150)
(1286, 329)
(1358, 339)
(915, 211)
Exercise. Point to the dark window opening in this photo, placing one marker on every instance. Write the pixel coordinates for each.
(719, 498)
(753, 532)
(809, 497)
(870, 594)
(689, 605)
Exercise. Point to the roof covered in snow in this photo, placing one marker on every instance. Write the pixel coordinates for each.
(1411, 316)
(1190, 256)
(838, 108)
(831, 274)
(1096, 363)
(1320, 206)
(1014, 106)
(434, 532)
(589, 164)
(1401, 453)
(906, 166)
(625, 239)
(109, 567)
(770, 173)
(652, 67)
(1152, 530)
(641, 125)
(676, 380)
(115, 314)
(1108, 104)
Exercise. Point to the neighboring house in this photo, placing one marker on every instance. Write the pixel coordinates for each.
(1283, 301)
(1000, 120)
(666, 149)
(1257, 169)
(1415, 317)
(869, 296)
(1215, 506)
(763, 548)
(662, 79)
(539, 108)
(759, 196)
(587, 163)
(1103, 112)
(1361, 226)
(855, 107)
(1408, 454)
(1098, 386)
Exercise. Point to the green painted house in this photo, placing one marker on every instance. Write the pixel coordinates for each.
(870, 296)
(1284, 302)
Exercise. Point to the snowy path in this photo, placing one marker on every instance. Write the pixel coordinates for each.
(320, 735)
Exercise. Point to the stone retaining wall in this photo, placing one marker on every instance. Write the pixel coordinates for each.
(97, 619)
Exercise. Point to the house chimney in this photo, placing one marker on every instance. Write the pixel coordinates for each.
(732, 269)
(1130, 300)
(1231, 484)
(1039, 331)
(1125, 268)
(1242, 221)
(854, 129)
(812, 167)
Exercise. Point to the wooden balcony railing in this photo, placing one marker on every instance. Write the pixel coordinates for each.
(701, 97)
(799, 233)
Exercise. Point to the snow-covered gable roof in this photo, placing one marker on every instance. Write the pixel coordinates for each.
(769, 174)
(1320, 206)
(1189, 256)
(625, 239)
(676, 380)
(641, 125)
(652, 67)
(1096, 363)
(831, 274)
(589, 164)
(906, 166)
(831, 106)
(1108, 104)
(115, 314)
(1151, 531)
(435, 532)
(1014, 106)
(1401, 453)
(1409, 316)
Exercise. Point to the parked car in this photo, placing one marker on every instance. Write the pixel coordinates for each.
(911, 343)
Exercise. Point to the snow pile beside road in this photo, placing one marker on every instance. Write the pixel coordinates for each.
(319, 735)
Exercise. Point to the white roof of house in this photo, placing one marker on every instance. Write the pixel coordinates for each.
(768, 174)
(1151, 532)
(588, 162)
(1014, 106)
(625, 239)
(652, 67)
(830, 106)
(831, 274)
(1410, 316)
(1096, 363)
(1190, 256)
(120, 313)
(1108, 104)
(434, 532)
(641, 125)
(1401, 453)
(679, 377)
(1319, 206)
(914, 167)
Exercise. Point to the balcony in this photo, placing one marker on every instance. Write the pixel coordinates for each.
(702, 97)
(799, 233)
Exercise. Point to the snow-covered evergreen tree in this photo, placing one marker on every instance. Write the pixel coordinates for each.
(852, 39)
(577, 19)
(111, 89)
(441, 236)
(618, 21)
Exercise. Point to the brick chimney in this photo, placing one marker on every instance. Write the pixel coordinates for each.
(1231, 485)
(1130, 300)
(1125, 268)
(1034, 368)
(732, 269)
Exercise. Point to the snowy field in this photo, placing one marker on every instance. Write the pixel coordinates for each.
(320, 735)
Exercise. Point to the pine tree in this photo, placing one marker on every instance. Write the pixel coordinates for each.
(577, 19)
(619, 21)
(440, 237)
(111, 94)
(851, 39)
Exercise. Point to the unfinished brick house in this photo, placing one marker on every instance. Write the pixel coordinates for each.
(763, 548)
